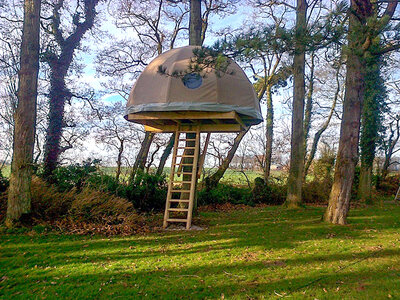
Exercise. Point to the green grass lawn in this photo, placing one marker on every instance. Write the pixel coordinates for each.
(244, 254)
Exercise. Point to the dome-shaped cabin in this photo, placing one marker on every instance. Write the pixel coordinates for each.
(189, 105)
(161, 102)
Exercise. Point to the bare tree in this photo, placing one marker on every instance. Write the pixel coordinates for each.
(59, 56)
(389, 144)
(117, 134)
(19, 194)
(151, 22)
(337, 95)
(295, 179)
(10, 45)
(360, 43)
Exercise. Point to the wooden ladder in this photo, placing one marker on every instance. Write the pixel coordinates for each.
(181, 193)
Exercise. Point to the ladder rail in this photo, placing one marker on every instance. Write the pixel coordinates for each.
(170, 183)
(191, 180)
(194, 179)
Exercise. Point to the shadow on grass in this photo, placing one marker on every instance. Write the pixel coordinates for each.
(205, 263)
(242, 279)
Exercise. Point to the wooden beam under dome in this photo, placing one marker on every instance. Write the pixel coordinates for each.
(183, 115)
(203, 128)
(208, 121)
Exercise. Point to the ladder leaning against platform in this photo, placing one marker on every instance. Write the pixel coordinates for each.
(181, 193)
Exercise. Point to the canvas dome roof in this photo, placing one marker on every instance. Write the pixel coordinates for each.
(229, 92)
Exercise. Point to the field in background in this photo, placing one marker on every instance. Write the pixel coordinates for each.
(231, 176)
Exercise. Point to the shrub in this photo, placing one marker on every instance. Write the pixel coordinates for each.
(147, 192)
(72, 176)
(322, 169)
(84, 212)
(356, 184)
(106, 183)
(4, 183)
(316, 191)
(3, 205)
(271, 193)
(100, 207)
(225, 193)
(389, 185)
(48, 203)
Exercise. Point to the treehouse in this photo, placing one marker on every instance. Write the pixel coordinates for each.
(168, 98)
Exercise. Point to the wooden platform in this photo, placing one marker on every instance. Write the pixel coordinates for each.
(190, 120)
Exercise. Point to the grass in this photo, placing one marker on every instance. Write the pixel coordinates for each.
(253, 253)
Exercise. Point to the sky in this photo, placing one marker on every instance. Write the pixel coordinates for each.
(92, 79)
(243, 18)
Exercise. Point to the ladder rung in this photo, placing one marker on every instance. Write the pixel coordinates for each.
(178, 209)
(177, 181)
(178, 164)
(187, 131)
(185, 155)
(184, 173)
(177, 220)
(188, 140)
(179, 200)
(180, 191)
(187, 148)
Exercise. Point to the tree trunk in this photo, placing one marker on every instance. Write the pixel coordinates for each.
(389, 154)
(57, 99)
(371, 122)
(347, 157)
(213, 180)
(365, 184)
(141, 158)
(309, 105)
(195, 29)
(196, 35)
(19, 193)
(269, 134)
(166, 154)
(195, 23)
(119, 160)
(295, 179)
(59, 65)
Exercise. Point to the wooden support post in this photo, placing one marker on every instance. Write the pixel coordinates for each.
(203, 155)
(170, 183)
